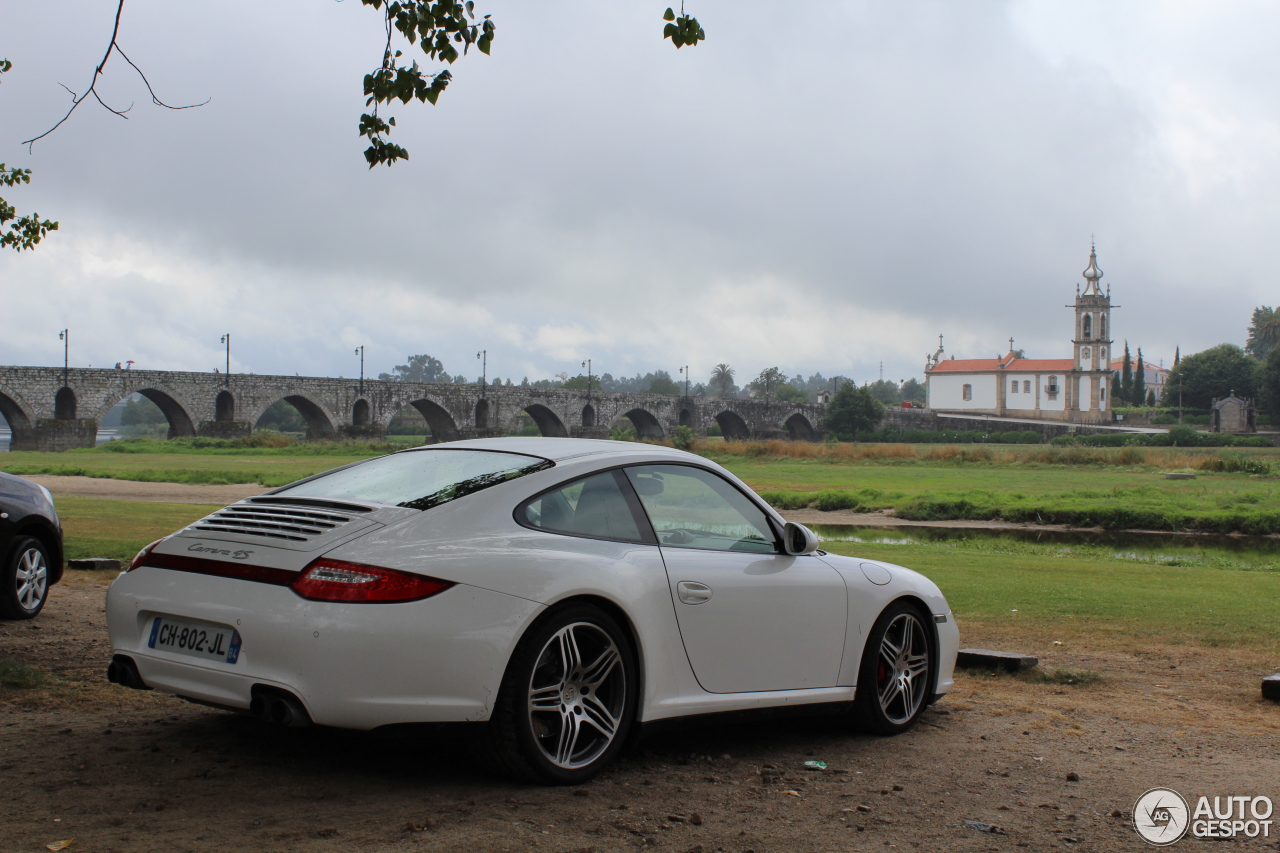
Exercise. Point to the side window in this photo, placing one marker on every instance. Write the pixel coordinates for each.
(967, 392)
(1014, 386)
(594, 506)
(693, 508)
(1026, 386)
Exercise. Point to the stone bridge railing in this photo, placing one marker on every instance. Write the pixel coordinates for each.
(46, 413)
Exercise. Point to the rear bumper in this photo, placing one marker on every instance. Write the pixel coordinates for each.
(353, 665)
(948, 648)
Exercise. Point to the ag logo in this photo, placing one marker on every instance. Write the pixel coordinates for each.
(1161, 816)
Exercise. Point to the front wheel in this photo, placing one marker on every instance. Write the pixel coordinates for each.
(567, 700)
(897, 672)
(25, 580)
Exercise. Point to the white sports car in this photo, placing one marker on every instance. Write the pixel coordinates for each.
(566, 591)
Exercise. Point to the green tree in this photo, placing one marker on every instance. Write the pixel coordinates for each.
(421, 368)
(1138, 394)
(282, 417)
(722, 380)
(886, 392)
(1213, 374)
(1151, 397)
(1117, 390)
(1126, 377)
(141, 412)
(1264, 331)
(787, 392)
(767, 382)
(1268, 380)
(24, 231)
(580, 383)
(852, 410)
(662, 383)
(914, 391)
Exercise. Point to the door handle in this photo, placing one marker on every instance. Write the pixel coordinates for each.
(691, 592)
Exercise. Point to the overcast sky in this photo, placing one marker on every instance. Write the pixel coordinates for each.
(819, 193)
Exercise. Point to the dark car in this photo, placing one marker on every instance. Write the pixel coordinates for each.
(30, 547)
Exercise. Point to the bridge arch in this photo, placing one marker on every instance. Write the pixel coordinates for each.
(319, 421)
(482, 414)
(224, 407)
(549, 423)
(799, 428)
(64, 404)
(21, 432)
(588, 415)
(443, 427)
(686, 417)
(733, 426)
(360, 413)
(646, 424)
(180, 423)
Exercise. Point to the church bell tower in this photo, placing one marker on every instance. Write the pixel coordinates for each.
(1090, 381)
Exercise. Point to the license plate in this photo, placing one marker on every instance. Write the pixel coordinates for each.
(205, 640)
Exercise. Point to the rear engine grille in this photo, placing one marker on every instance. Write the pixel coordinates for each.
(294, 525)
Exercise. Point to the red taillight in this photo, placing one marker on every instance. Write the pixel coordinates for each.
(142, 555)
(337, 580)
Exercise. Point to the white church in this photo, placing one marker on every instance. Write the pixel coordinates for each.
(1061, 389)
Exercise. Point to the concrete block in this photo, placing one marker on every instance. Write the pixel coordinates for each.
(1271, 687)
(1179, 475)
(987, 659)
(92, 564)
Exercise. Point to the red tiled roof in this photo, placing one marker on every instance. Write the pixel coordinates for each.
(976, 365)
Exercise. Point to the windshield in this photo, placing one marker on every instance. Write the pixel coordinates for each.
(420, 479)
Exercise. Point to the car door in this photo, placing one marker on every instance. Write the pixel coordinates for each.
(751, 618)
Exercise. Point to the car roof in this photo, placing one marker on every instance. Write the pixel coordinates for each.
(555, 449)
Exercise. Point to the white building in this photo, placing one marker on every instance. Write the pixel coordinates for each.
(1068, 389)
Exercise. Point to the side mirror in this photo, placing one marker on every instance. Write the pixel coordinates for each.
(798, 540)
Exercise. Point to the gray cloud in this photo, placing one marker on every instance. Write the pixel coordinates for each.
(821, 200)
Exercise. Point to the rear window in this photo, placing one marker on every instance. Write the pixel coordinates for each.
(420, 479)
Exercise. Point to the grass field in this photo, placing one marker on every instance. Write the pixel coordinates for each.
(1034, 594)
(119, 529)
(1117, 488)
(1098, 602)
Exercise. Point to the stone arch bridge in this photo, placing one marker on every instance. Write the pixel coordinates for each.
(47, 411)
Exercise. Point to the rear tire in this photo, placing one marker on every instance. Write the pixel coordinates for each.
(897, 674)
(24, 579)
(567, 700)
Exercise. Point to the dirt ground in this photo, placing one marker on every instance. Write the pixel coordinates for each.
(129, 490)
(121, 770)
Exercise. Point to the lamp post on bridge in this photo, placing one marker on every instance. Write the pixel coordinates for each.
(685, 371)
(226, 339)
(483, 356)
(360, 352)
(587, 365)
(65, 337)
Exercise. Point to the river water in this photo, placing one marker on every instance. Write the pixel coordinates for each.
(1167, 548)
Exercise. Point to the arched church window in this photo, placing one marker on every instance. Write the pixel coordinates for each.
(1026, 386)
(1102, 327)
(967, 392)
(1102, 354)
(1014, 388)
(1086, 327)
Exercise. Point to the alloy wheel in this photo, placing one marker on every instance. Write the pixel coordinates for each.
(902, 670)
(31, 578)
(577, 695)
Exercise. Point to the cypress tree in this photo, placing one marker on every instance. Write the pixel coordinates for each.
(1139, 382)
(1126, 376)
(1177, 355)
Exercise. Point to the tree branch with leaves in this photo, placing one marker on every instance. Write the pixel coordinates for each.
(25, 231)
